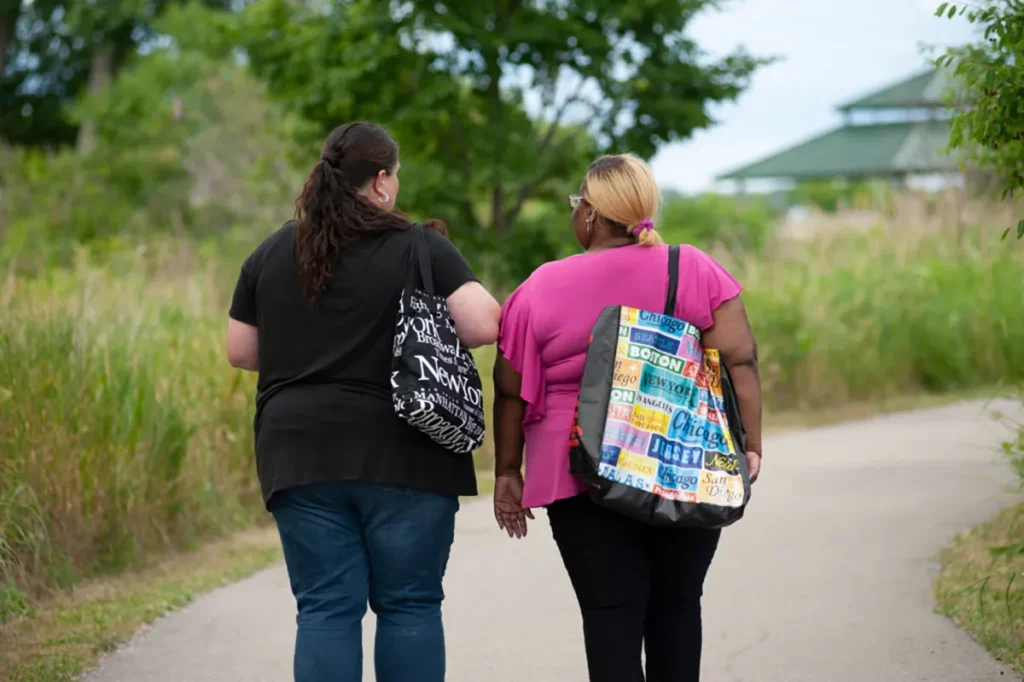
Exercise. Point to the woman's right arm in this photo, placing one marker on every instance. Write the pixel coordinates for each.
(517, 367)
(476, 315)
(731, 335)
(509, 410)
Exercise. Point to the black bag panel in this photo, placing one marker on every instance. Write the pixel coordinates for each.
(674, 514)
(595, 393)
(739, 434)
(626, 500)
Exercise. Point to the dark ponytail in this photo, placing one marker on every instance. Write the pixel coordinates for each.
(331, 212)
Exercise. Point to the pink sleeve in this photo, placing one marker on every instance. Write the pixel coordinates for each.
(518, 344)
(703, 286)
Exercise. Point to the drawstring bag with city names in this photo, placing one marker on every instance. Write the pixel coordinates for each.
(657, 435)
(435, 385)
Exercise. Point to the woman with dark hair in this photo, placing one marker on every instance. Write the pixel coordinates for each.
(365, 504)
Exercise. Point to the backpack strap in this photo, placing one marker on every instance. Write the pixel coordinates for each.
(673, 281)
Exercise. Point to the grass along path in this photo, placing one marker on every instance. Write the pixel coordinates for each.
(981, 585)
(59, 640)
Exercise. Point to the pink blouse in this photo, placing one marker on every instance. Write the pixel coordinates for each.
(545, 329)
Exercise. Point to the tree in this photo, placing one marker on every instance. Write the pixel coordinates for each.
(60, 49)
(503, 99)
(989, 123)
(184, 144)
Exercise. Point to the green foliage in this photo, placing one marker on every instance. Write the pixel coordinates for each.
(742, 224)
(830, 196)
(989, 125)
(183, 144)
(64, 48)
(825, 195)
(1014, 450)
(12, 601)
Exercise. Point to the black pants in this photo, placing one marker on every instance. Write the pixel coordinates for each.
(638, 587)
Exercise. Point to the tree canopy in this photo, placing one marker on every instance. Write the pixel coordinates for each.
(498, 104)
(502, 96)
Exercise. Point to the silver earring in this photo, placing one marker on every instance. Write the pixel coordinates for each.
(384, 199)
(588, 224)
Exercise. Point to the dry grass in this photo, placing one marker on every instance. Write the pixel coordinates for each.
(61, 638)
(981, 586)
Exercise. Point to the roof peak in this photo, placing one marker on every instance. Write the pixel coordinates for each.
(923, 90)
(873, 150)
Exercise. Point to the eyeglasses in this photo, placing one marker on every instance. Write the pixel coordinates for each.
(575, 200)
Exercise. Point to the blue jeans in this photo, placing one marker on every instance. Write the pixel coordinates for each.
(352, 542)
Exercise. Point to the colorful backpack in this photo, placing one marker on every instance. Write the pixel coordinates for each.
(657, 435)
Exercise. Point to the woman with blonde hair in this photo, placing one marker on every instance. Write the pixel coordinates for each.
(639, 587)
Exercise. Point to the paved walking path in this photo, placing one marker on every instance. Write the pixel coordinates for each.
(828, 579)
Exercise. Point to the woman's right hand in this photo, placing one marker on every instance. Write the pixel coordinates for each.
(508, 505)
(753, 464)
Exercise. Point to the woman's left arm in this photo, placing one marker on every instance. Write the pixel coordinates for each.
(243, 345)
(732, 336)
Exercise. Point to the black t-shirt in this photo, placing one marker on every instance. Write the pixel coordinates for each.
(323, 406)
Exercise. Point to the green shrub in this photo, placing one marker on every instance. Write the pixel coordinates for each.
(739, 223)
(831, 196)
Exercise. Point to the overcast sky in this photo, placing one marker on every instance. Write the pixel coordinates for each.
(832, 51)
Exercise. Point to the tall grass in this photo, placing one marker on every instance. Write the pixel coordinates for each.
(864, 316)
(123, 432)
(121, 429)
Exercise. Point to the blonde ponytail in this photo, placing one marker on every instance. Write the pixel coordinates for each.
(621, 188)
(647, 236)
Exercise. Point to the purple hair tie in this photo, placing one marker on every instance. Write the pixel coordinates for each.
(642, 227)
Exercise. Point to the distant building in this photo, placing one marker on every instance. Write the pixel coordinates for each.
(895, 133)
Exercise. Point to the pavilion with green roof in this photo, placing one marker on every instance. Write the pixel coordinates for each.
(910, 140)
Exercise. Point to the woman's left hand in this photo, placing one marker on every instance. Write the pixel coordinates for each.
(508, 505)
